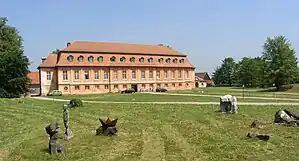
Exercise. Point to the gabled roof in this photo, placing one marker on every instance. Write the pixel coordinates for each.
(34, 77)
(203, 75)
(200, 79)
(121, 48)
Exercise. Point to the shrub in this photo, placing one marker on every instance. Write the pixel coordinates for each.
(76, 103)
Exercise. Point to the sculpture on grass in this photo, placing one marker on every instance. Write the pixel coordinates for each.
(286, 117)
(228, 103)
(108, 127)
(54, 146)
(264, 137)
(68, 134)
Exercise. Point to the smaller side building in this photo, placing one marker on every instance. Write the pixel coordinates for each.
(34, 86)
(203, 80)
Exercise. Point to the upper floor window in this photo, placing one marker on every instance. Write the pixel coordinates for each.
(122, 59)
(165, 74)
(151, 76)
(187, 74)
(150, 60)
(80, 58)
(90, 58)
(124, 75)
(168, 60)
(100, 59)
(112, 59)
(160, 60)
(175, 60)
(106, 75)
(86, 74)
(181, 60)
(76, 75)
(49, 75)
(158, 74)
(180, 74)
(133, 74)
(141, 60)
(132, 60)
(115, 75)
(70, 58)
(96, 75)
(172, 74)
(142, 74)
(64, 75)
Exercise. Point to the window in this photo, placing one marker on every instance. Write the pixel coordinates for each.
(187, 84)
(106, 86)
(166, 85)
(143, 85)
(181, 60)
(158, 74)
(116, 86)
(86, 74)
(180, 84)
(124, 86)
(64, 75)
(175, 60)
(158, 85)
(180, 75)
(90, 58)
(77, 87)
(86, 87)
(141, 60)
(112, 59)
(124, 75)
(115, 75)
(105, 75)
(132, 60)
(70, 58)
(100, 59)
(150, 60)
(65, 88)
(80, 58)
(160, 60)
(165, 74)
(49, 75)
(173, 84)
(96, 75)
(122, 59)
(97, 87)
(168, 60)
(76, 75)
(151, 75)
(172, 74)
(133, 74)
(187, 74)
(142, 74)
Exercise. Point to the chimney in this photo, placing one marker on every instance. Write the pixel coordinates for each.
(43, 59)
(68, 44)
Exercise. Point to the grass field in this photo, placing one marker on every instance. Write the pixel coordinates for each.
(146, 132)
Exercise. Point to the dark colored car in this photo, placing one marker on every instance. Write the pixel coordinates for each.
(129, 90)
(161, 90)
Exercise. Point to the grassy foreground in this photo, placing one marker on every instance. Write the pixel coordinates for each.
(147, 132)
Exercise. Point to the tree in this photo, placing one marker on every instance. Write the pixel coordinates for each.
(280, 61)
(226, 72)
(250, 71)
(56, 51)
(13, 62)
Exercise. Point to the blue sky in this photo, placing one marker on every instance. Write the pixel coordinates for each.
(207, 31)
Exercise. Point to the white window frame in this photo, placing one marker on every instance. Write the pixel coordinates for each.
(165, 75)
(115, 75)
(172, 74)
(76, 75)
(49, 75)
(187, 74)
(158, 74)
(151, 74)
(124, 75)
(106, 75)
(96, 75)
(64, 75)
(133, 75)
(142, 74)
(180, 74)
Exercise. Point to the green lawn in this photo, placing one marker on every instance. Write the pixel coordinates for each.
(143, 97)
(146, 132)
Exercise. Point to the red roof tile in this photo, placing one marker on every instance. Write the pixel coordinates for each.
(34, 77)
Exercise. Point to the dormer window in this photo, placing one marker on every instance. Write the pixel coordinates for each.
(70, 58)
(100, 59)
(141, 60)
(175, 60)
(112, 59)
(168, 60)
(122, 59)
(150, 60)
(181, 60)
(90, 58)
(80, 58)
(160, 60)
(132, 60)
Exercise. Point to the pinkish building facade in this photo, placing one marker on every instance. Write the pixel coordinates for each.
(100, 67)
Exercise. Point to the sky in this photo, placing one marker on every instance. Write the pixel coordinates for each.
(206, 31)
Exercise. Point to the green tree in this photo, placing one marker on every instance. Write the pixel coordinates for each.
(13, 62)
(280, 61)
(56, 51)
(226, 72)
(250, 71)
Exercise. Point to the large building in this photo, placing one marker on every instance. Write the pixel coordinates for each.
(100, 67)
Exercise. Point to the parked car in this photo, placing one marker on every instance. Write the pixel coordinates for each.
(55, 93)
(161, 90)
(129, 90)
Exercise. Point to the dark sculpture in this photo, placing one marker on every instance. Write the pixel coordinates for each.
(108, 127)
(68, 134)
(264, 137)
(54, 146)
(256, 124)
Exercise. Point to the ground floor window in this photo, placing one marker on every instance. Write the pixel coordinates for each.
(106, 86)
(77, 87)
(124, 86)
(65, 88)
(173, 84)
(86, 87)
(115, 86)
(97, 87)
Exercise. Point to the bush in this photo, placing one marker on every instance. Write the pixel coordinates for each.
(76, 103)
